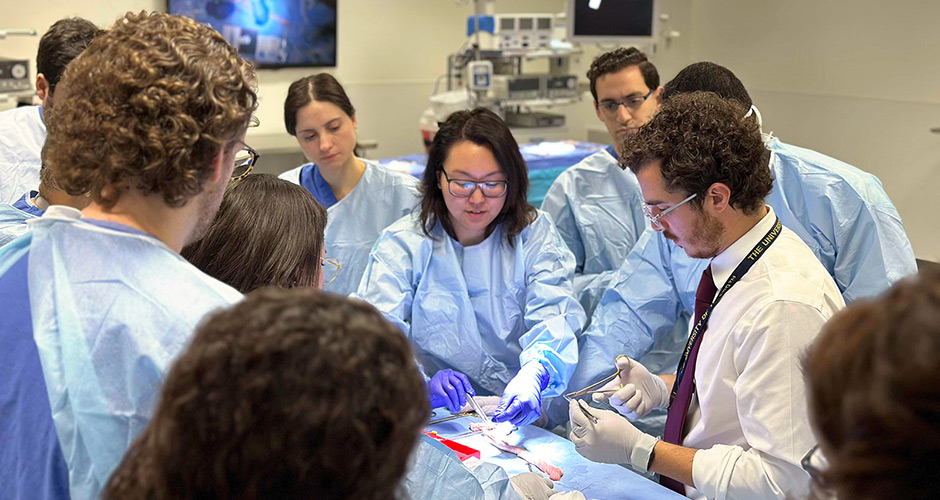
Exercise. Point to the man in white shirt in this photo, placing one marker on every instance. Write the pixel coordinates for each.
(737, 424)
(23, 129)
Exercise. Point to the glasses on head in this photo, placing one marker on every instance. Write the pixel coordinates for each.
(330, 269)
(462, 188)
(654, 219)
(815, 464)
(245, 160)
(610, 107)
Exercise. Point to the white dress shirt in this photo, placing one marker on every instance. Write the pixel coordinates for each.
(22, 134)
(748, 416)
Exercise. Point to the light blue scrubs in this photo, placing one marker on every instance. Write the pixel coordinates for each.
(22, 134)
(598, 210)
(842, 213)
(111, 307)
(381, 197)
(13, 217)
(483, 310)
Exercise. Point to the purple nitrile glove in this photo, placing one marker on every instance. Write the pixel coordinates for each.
(449, 388)
(522, 399)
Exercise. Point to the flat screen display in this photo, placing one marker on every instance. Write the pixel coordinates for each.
(613, 19)
(271, 33)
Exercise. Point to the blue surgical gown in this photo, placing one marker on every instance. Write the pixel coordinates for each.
(13, 217)
(598, 210)
(434, 471)
(22, 134)
(111, 308)
(483, 310)
(842, 213)
(381, 197)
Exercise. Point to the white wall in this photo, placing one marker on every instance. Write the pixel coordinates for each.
(854, 79)
(389, 55)
(40, 15)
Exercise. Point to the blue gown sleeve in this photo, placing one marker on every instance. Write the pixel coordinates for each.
(387, 282)
(598, 211)
(648, 296)
(557, 205)
(873, 251)
(553, 318)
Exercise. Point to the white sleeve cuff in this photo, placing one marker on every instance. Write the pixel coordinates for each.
(711, 470)
(640, 456)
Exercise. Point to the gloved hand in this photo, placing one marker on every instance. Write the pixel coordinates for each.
(532, 486)
(522, 399)
(449, 388)
(638, 391)
(613, 439)
(568, 495)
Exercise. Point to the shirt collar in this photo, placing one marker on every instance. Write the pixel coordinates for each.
(612, 151)
(724, 263)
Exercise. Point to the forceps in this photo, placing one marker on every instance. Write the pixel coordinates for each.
(588, 390)
(479, 411)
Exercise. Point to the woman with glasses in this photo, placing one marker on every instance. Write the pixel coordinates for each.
(361, 197)
(479, 280)
(874, 399)
(267, 232)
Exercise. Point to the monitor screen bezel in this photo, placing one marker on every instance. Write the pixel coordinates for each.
(620, 40)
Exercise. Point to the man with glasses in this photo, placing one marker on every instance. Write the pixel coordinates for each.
(595, 204)
(97, 303)
(842, 213)
(760, 301)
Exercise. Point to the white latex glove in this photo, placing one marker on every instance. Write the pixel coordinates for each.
(568, 495)
(532, 486)
(637, 391)
(613, 439)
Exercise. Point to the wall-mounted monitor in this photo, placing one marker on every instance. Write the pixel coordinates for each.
(270, 33)
(611, 21)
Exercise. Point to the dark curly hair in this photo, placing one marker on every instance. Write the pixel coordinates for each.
(64, 41)
(708, 77)
(278, 227)
(149, 105)
(700, 139)
(483, 128)
(289, 394)
(873, 394)
(618, 59)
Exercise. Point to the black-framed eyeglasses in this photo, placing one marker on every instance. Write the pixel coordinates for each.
(610, 107)
(464, 188)
(815, 464)
(245, 160)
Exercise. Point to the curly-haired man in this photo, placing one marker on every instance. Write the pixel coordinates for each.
(148, 121)
(701, 165)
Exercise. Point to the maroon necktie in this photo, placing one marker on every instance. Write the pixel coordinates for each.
(675, 420)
